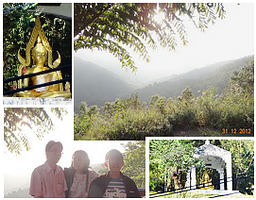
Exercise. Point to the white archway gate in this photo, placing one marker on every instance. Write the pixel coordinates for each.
(215, 158)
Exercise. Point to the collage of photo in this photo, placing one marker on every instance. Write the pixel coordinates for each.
(128, 99)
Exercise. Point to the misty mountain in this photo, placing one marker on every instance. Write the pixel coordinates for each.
(162, 79)
(216, 75)
(20, 193)
(96, 85)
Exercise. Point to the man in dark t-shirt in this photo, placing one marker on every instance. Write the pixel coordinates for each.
(115, 189)
(114, 184)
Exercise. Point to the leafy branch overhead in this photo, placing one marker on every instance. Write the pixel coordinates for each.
(115, 26)
(37, 120)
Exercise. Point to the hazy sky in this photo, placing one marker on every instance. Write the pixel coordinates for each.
(227, 39)
(18, 169)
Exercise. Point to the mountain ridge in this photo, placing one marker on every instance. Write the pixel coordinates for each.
(97, 85)
(216, 75)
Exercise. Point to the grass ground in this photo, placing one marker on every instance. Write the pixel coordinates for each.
(194, 194)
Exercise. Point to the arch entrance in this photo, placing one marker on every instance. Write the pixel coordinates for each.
(218, 162)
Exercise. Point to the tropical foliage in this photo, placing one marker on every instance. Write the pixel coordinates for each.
(229, 113)
(37, 120)
(18, 23)
(134, 162)
(242, 159)
(170, 157)
(114, 27)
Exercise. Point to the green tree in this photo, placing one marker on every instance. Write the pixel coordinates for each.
(244, 79)
(17, 20)
(187, 95)
(158, 102)
(38, 120)
(242, 162)
(83, 120)
(134, 162)
(170, 157)
(115, 26)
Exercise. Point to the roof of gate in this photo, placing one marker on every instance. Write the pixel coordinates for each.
(211, 150)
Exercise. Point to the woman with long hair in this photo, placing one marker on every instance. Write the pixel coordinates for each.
(79, 176)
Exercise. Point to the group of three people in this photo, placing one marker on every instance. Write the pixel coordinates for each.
(49, 180)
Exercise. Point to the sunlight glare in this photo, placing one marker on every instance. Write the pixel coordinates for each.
(159, 17)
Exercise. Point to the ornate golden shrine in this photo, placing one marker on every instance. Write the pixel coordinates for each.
(41, 52)
(206, 181)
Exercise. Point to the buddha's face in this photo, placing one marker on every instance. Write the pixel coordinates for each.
(39, 54)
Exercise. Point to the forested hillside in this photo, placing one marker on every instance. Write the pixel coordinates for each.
(95, 85)
(230, 113)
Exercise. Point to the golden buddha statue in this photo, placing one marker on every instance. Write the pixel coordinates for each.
(40, 52)
(206, 181)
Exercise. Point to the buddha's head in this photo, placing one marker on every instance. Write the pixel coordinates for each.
(40, 49)
(39, 53)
